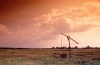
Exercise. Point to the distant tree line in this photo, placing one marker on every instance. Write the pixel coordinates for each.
(64, 47)
(13, 48)
(87, 47)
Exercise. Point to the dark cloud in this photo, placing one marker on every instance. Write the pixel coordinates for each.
(61, 26)
(12, 7)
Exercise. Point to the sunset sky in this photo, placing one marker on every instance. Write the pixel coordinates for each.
(39, 23)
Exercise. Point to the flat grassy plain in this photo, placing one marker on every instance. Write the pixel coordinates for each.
(45, 57)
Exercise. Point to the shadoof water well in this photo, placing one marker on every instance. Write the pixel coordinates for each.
(63, 55)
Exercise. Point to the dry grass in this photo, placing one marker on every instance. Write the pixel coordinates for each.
(44, 57)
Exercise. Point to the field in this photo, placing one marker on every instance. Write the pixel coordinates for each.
(45, 57)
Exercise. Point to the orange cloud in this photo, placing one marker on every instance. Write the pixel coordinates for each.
(3, 29)
(74, 18)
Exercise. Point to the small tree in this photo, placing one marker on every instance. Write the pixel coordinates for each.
(76, 47)
(88, 47)
(57, 47)
(53, 48)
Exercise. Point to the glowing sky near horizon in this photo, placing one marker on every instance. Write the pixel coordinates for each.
(39, 23)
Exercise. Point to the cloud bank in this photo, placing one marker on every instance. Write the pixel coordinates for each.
(29, 30)
(74, 19)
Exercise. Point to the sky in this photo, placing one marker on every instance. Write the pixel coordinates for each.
(39, 23)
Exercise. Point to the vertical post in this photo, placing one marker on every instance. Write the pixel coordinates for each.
(61, 44)
(69, 47)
